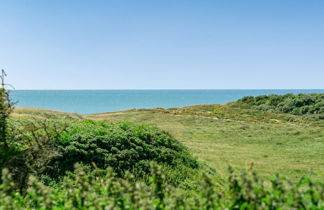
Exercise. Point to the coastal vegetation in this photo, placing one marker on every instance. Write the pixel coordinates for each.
(309, 105)
(249, 154)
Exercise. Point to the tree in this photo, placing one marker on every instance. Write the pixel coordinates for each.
(6, 107)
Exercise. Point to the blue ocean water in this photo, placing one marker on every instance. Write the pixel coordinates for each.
(98, 101)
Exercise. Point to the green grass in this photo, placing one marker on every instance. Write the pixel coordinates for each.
(228, 135)
(273, 143)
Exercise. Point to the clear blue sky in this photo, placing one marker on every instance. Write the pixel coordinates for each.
(162, 44)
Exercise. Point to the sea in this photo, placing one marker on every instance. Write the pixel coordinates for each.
(99, 101)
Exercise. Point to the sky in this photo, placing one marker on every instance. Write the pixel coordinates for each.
(162, 44)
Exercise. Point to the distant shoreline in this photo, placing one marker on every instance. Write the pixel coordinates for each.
(101, 101)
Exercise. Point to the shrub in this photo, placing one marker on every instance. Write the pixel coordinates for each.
(301, 104)
(6, 107)
(32, 144)
(50, 148)
(123, 146)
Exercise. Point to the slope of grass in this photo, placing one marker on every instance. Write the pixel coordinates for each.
(21, 112)
(222, 135)
(227, 135)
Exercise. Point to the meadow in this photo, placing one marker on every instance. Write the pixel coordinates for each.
(223, 135)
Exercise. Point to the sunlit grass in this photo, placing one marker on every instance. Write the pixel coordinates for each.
(227, 135)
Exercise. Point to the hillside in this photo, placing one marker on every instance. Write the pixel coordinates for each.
(222, 135)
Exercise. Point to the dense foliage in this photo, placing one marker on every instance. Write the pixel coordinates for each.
(123, 146)
(50, 148)
(311, 105)
(101, 189)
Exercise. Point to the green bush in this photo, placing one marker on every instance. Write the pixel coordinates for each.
(309, 105)
(122, 146)
(50, 148)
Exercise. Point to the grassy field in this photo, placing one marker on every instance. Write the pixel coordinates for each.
(222, 135)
